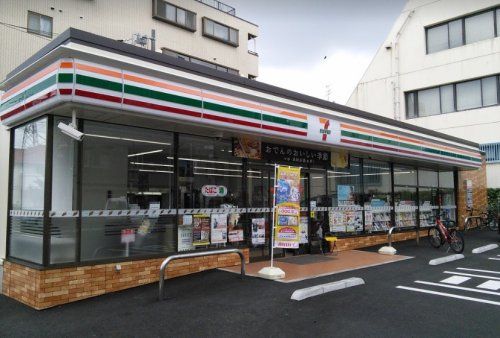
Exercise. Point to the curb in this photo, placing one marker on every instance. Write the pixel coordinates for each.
(482, 249)
(446, 259)
(320, 289)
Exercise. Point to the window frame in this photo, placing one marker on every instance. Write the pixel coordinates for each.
(496, 28)
(158, 17)
(455, 106)
(40, 32)
(213, 37)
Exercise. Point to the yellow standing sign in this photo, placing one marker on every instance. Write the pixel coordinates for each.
(287, 215)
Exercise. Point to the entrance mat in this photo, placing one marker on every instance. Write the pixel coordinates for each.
(299, 268)
(306, 259)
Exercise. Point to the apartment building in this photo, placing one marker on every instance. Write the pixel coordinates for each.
(439, 68)
(205, 32)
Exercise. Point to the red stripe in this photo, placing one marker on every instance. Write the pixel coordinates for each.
(161, 107)
(283, 130)
(230, 120)
(66, 91)
(29, 104)
(398, 150)
(97, 96)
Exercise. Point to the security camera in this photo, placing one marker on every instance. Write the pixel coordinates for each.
(70, 131)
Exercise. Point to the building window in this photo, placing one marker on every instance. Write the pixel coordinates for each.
(175, 15)
(459, 96)
(39, 24)
(127, 172)
(452, 34)
(200, 62)
(492, 151)
(28, 187)
(220, 32)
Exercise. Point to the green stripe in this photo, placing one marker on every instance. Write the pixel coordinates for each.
(99, 83)
(285, 121)
(407, 145)
(231, 110)
(153, 94)
(50, 81)
(65, 78)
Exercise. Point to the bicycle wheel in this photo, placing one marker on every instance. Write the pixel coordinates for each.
(492, 224)
(435, 237)
(457, 242)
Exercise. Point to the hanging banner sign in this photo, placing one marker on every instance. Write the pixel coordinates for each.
(283, 153)
(214, 191)
(287, 214)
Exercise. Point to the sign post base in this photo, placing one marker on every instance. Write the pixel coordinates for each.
(271, 273)
(387, 250)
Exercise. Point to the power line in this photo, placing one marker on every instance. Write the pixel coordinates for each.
(25, 30)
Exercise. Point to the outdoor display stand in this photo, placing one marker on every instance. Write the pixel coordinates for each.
(285, 215)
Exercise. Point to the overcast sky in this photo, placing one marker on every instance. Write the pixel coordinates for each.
(296, 35)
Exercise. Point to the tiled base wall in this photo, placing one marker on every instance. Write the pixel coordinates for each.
(366, 241)
(42, 289)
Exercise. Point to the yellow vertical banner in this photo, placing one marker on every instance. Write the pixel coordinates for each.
(287, 214)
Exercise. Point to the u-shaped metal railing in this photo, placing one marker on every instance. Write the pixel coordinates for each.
(164, 264)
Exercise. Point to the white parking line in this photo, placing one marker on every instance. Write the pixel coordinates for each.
(479, 270)
(471, 275)
(490, 285)
(458, 287)
(451, 295)
(455, 280)
(495, 259)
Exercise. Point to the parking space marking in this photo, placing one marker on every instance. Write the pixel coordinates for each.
(455, 280)
(490, 285)
(471, 275)
(494, 259)
(479, 270)
(458, 287)
(451, 295)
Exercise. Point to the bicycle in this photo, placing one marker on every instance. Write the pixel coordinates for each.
(440, 234)
(484, 219)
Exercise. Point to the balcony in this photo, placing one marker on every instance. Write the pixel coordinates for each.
(220, 6)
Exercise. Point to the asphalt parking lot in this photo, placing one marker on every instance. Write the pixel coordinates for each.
(218, 303)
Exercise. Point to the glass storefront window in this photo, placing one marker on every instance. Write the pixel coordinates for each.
(258, 194)
(345, 193)
(127, 182)
(405, 196)
(447, 195)
(428, 196)
(211, 177)
(378, 203)
(63, 219)
(28, 186)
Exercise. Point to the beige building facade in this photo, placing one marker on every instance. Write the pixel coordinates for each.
(205, 32)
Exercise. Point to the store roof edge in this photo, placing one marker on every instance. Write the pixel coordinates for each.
(79, 36)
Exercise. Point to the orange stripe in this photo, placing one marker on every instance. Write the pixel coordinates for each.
(66, 65)
(30, 80)
(162, 85)
(402, 138)
(98, 70)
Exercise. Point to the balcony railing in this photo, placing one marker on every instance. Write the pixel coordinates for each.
(220, 6)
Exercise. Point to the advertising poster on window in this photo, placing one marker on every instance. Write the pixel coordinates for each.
(345, 194)
(247, 147)
(234, 228)
(201, 230)
(185, 233)
(258, 231)
(287, 208)
(218, 227)
(304, 236)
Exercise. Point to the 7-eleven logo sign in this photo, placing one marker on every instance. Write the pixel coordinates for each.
(324, 131)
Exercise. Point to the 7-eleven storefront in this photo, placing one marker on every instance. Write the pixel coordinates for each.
(176, 157)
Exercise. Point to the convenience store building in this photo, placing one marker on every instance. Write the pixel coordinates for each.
(170, 146)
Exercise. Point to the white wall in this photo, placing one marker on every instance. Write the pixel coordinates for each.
(4, 182)
(120, 19)
(380, 89)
